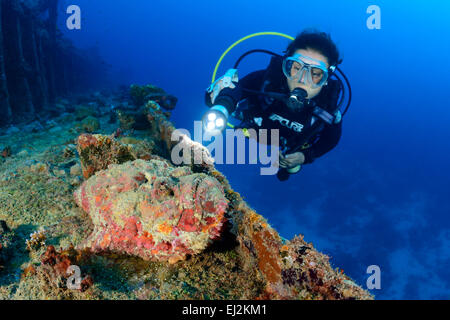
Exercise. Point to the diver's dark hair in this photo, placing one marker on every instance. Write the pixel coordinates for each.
(318, 41)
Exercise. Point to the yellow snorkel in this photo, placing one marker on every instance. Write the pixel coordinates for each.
(242, 40)
(215, 118)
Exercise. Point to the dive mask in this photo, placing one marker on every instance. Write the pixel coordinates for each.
(306, 70)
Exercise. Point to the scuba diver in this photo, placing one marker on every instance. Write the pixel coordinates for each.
(295, 95)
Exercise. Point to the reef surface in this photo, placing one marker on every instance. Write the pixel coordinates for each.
(93, 194)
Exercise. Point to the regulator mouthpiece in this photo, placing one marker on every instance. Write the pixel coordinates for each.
(297, 98)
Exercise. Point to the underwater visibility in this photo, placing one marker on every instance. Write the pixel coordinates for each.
(209, 150)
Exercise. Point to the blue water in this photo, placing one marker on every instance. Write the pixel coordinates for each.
(381, 197)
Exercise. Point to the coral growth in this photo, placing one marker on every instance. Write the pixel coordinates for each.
(141, 94)
(152, 119)
(89, 124)
(55, 273)
(83, 112)
(143, 227)
(290, 270)
(127, 120)
(6, 152)
(37, 239)
(152, 210)
(161, 127)
(98, 151)
(193, 154)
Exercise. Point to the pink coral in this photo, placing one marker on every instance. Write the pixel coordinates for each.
(152, 210)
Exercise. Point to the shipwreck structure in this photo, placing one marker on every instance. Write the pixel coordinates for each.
(37, 63)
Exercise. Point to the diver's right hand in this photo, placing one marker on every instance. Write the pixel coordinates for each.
(217, 88)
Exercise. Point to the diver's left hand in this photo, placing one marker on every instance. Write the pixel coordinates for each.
(292, 160)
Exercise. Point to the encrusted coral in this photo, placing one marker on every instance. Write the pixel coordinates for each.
(290, 269)
(89, 124)
(6, 152)
(161, 128)
(152, 210)
(141, 94)
(98, 151)
(37, 239)
(82, 112)
(193, 154)
(56, 272)
(130, 210)
(126, 119)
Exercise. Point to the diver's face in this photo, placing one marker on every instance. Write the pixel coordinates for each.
(292, 84)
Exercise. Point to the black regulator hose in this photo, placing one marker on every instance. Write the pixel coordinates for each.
(341, 73)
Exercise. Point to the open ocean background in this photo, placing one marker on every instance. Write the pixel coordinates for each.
(381, 197)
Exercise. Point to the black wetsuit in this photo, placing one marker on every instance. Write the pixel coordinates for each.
(295, 127)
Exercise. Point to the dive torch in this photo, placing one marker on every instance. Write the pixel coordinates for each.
(215, 119)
